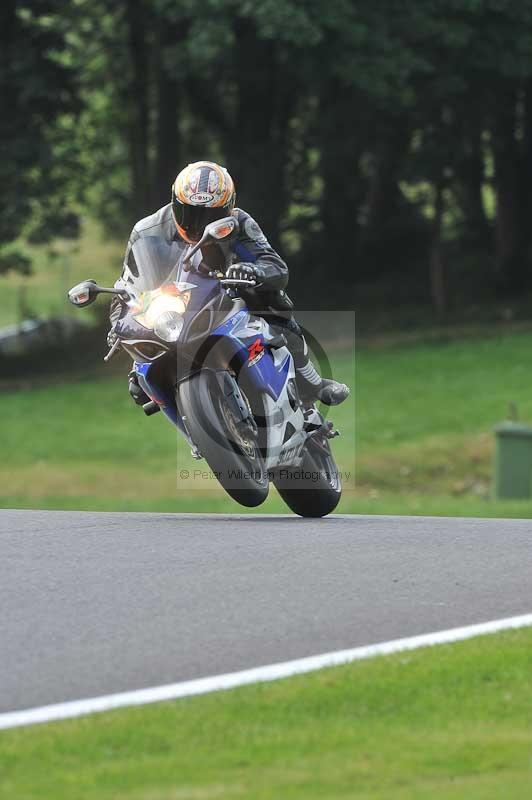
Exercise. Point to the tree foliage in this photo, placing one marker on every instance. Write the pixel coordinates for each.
(37, 141)
(391, 140)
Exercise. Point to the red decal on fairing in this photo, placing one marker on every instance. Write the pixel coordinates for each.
(255, 348)
(256, 351)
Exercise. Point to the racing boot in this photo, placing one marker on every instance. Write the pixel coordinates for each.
(310, 384)
(332, 393)
(313, 387)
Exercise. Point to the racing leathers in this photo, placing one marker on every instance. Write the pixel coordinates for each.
(248, 255)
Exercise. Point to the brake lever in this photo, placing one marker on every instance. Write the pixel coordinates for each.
(113, 350)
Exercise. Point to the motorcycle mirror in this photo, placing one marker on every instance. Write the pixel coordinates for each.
(222, 228)
(83, 294)
(214, 231)
(86, 292)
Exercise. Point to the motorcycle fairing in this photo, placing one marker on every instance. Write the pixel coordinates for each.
(270, 374)
(159, 394)
(266, 374)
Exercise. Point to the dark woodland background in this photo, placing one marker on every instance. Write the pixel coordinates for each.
(385, 147)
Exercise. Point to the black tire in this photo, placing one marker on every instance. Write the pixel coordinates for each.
(313, 489)
(235, 460)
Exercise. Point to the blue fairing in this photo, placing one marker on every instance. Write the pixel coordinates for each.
(266, 376)
(158, 393)
(227, 327)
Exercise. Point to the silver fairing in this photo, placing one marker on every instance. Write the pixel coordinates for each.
(281, 449)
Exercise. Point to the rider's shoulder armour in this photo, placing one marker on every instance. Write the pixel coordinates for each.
(250, 231)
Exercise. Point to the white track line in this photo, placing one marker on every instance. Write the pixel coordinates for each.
(271, 672)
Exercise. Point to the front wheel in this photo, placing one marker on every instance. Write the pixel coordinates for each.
(314, 488)
(228, 445)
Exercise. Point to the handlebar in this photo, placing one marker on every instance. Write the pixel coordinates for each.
(237, 282)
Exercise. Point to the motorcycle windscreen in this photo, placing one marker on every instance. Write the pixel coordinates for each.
(153, 262)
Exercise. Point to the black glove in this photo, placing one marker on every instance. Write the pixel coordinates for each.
(246, 272)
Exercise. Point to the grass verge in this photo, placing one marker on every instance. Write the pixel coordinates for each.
(55, 268)
(448, 722)
(417, 433)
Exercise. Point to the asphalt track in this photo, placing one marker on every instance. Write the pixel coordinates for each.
(96, 603)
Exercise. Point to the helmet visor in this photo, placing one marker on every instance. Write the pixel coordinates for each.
(193, 219)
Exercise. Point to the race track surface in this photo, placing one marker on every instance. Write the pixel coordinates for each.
(97, 603)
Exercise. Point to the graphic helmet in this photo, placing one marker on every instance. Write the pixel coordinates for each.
(202, 192)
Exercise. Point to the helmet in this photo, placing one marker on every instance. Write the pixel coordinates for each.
(202, 192)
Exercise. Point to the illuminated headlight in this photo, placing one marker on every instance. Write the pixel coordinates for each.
(168, 326)
(160, 304)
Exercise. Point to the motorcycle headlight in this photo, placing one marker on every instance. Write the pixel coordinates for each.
(168, 326)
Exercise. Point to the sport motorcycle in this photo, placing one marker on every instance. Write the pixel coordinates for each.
(223, 376)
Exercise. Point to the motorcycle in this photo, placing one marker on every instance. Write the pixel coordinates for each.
(220, 374)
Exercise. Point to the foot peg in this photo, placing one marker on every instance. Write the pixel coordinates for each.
(150, 408)
(330, 431)
(313, 420)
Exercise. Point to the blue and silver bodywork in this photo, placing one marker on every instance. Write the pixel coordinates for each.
(254, 348)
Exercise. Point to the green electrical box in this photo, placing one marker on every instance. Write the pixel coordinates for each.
(513, 460)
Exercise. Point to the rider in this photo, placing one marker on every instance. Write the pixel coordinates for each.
(202, 193)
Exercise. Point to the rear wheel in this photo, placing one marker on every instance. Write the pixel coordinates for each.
(229, 446)
(314, 488)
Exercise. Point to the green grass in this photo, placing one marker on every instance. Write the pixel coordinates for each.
(453, 722)
(448, 722)
(54, 270)
(417, 433)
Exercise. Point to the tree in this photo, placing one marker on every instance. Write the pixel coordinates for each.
(38, 91)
